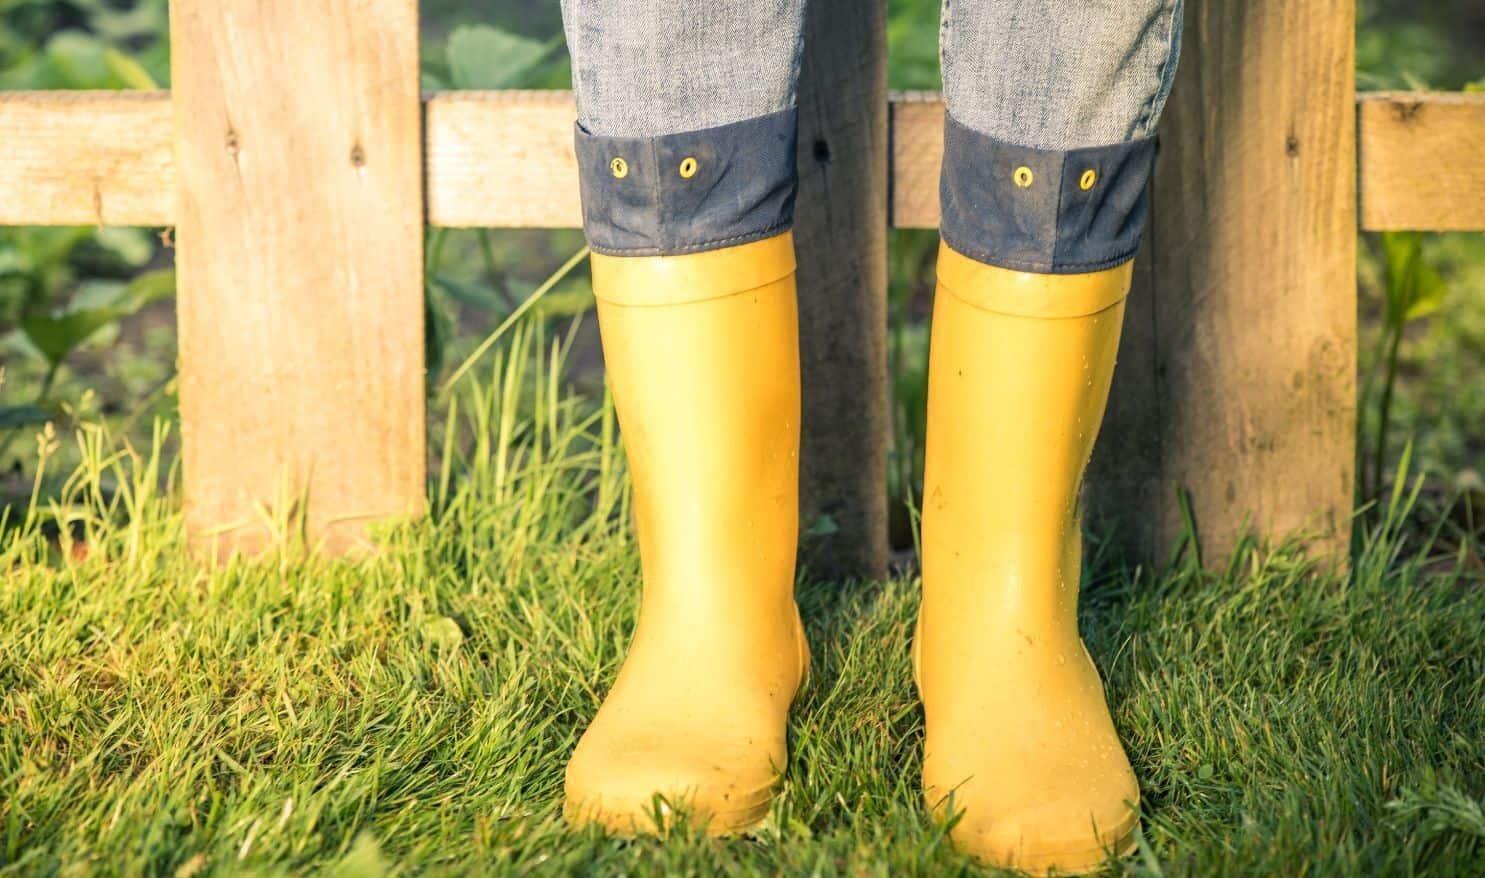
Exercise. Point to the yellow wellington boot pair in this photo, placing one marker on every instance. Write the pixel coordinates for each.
(702, 353)
(1020, 744)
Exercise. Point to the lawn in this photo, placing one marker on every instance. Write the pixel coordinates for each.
(412, 711)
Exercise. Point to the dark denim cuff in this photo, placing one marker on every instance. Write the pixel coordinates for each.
(688, 192)
(1047, 211)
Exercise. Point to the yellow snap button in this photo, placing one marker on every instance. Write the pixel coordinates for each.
(1090, 177)
(1023, 177)
(688, 167)
(619, 167)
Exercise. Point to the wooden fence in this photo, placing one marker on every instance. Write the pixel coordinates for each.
(299, 165)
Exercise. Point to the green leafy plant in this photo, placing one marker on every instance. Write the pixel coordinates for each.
(83, 44)
(485, 57)
(58, 333)
(62, 287)
(108, 274)
(1413, 290)
(482, 56)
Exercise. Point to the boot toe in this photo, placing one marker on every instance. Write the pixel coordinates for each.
(1053, 839)
(633, 786)
(1057, 832)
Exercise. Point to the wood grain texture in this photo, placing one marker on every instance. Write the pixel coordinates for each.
(86, 158)
(1236, 379)
(917, 156)
(298, 150)
(505, 160)
(841, 240)
(507, 153)
(1422, 159)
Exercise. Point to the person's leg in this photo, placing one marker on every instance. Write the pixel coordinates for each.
(1051, 109)
(685, 143)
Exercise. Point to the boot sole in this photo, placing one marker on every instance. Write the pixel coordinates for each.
(633, 823)
(1082, 860)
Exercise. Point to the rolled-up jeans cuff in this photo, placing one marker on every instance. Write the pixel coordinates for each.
(1047, 211)
(690, 191)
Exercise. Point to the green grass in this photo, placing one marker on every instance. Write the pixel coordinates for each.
(411, 712)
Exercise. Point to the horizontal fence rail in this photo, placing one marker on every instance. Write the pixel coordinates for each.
(1236, 387)
(505, 160)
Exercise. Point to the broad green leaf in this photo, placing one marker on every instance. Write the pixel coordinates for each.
(76, 60)
(1428, 292)
(1414, 288)
(485, 57)
(57, 335)
(93, 293)
(133, 247)
(14, 259)
(823, 526)
(128, 71)
(1401, 252)
(146, 289)
(25, 69)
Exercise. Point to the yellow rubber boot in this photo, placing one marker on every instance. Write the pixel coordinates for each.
(1019, 738)
(702, 353)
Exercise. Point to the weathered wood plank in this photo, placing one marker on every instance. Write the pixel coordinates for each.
(300, 213)
(504, 159)
(917, 155)
(1422, 163)
(86, 158)
(841, 240)
(1236, 377)
(1422, 158)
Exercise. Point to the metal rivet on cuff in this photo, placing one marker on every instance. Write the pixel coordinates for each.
(688, 167)
(1023, 177)
(619, 167)
(1090, 177)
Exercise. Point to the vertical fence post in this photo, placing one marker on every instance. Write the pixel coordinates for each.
(300, 220)
(1236, 377)
(841, 239)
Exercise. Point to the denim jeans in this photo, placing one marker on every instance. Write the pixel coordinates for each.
(686, 123)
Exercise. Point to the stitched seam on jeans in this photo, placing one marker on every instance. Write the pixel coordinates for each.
(1057, 209)
(1049, 267)
(979, 254)
(1097, 264)
(1142, 124)
(712, 244)
(944, 34)
(792, 100)
(1162, 88)
(656, 188)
